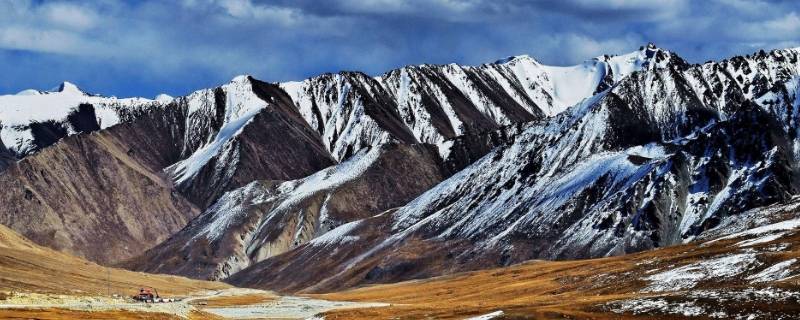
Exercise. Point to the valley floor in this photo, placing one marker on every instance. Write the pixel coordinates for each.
(232, 303)
(40, 283)
(749, 275)
(746, 272)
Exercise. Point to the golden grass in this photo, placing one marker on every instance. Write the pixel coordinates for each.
(536, 289)
(63, 314)
(27, 267)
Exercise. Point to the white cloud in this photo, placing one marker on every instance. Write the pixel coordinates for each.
(68, 15)
(53, 41)
(782, 28)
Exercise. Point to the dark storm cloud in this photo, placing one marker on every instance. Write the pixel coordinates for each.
(145, 47)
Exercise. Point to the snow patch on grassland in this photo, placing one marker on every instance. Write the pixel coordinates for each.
(688, 276)
(488, 316)
(649, 306)
(748, 294)
(779, 227)
(776, 272)
(761, 240)
(715, 304)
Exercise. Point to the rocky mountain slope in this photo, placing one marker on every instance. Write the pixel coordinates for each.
(655, 160)
(108, 195)
(89, 195)
(266, 218)
(242, 131)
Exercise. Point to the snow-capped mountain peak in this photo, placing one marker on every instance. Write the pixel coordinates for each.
(19, 112)
(242, 78)
(68, 87)
(29, 92)
(164, 98)
(512, 59)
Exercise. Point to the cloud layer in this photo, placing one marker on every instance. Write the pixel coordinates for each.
(142, 48)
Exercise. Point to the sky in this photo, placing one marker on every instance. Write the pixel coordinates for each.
(143, 48)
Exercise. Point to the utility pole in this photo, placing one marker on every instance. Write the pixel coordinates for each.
(108, 280)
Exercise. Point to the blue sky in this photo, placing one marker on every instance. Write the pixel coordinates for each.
(142, 48)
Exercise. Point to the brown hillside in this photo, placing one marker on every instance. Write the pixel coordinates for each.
(27, 267)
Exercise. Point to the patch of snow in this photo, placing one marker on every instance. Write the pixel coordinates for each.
(164, 98)
(339, 235)
(241, 106)
(760, 240)
(768, 294)
(688, 276)
(777, 247)
(229, 208)
(330, 177)
(763, 230)
(652, 306)
(488, 316)
(575, 83)
(186, 169)
(776, 272)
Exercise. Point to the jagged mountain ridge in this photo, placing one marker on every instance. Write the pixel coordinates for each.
(655, 160)
(348, 111)
(105, 186)
(434, 103)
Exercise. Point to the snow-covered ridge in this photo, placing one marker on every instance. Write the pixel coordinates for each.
(438, 102)
(241, 105)
(341, 114)
(18, 111)
(559, 87)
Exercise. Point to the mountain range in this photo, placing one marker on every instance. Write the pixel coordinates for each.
(348, 179)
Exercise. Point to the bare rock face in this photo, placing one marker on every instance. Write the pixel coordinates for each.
(6, 157)
(89, 196)
(267, 218)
